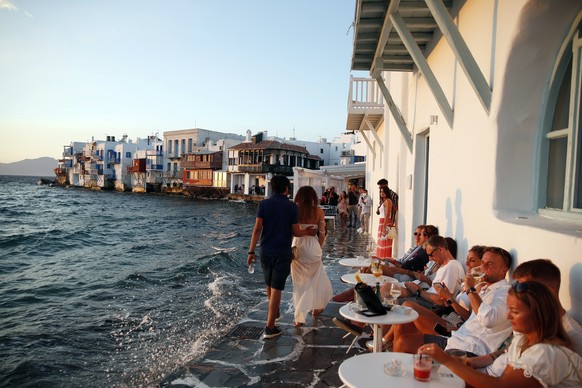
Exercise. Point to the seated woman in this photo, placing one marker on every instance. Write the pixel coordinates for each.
(540, 354)
(457, 311)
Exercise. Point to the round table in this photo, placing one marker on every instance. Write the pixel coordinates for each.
(367, 370)
(355, 263)
(350, 278)
(403, 315)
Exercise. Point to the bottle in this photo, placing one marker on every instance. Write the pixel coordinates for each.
(252, 267)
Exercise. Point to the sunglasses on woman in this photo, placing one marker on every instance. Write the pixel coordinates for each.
(522, 287)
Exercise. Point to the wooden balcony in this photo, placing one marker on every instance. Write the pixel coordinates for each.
(201, 165)
(365, 102)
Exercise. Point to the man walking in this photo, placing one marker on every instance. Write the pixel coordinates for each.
(276, 223)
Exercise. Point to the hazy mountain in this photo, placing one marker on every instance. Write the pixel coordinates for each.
(36, 167)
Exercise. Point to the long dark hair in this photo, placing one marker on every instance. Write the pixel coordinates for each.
(306, 200)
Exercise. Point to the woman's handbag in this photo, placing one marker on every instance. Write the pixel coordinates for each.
(391, 232)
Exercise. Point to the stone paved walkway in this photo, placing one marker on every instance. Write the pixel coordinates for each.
(301, 357)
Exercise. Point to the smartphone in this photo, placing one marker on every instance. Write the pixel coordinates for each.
(440, 329)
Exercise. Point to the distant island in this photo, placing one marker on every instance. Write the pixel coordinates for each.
(42, 167)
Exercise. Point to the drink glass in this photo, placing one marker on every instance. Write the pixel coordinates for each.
(395, 290)
(422, 365)
(460, 354)
(376, 269)
(478, 273)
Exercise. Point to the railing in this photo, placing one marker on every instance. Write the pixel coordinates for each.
(364, 93)
(154, 167)
(265, 168)
(215, 164)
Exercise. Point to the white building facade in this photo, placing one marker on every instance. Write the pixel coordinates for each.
(479, 132)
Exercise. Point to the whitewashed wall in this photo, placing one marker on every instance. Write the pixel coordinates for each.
(478, 188)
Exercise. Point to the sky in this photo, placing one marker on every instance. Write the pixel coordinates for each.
(73, 70)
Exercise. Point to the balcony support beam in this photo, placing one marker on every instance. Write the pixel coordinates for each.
(374, 133)
(462, 54)
(368, 142)
(394, 110)
(422, 65)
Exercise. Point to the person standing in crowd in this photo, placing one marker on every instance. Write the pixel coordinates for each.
(342, 208)
(365, 208)
(353, 205)
(333, 197)
(311, 286)
(540, 354)
(389, 218)
(276, 223)
(384, 244)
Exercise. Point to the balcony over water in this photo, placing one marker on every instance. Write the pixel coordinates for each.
(365, 101)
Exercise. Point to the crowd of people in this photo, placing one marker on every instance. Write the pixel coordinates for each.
(470, 318)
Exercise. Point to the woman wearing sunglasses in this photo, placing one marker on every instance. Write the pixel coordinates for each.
(540, 353)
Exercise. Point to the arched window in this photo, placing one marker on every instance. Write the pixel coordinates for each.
(562, 142)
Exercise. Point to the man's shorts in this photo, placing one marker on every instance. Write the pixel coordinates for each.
(276, 270)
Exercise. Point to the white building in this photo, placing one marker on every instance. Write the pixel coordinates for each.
(480, 134)
(185, 141)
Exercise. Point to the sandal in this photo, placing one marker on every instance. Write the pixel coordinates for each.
(316, 312)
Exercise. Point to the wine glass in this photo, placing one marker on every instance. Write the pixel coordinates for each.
(371, 248)
(395, 290)
(478, 273)
(376, 269)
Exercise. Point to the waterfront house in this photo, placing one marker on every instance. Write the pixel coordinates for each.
(480, 133)
(65, 172)
(147, 169)
(253, 163)
(185, 141)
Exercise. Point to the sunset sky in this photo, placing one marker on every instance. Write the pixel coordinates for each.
(73, 70)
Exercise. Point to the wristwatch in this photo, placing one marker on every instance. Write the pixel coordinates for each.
(471, 290)
(449, 302)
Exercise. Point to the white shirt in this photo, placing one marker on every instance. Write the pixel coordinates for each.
(486, 330)
(451, 275)
(366, 205)
(573, 329)
(550, 365)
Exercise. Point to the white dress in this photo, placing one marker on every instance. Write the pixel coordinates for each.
(311, 286)
(550, 365)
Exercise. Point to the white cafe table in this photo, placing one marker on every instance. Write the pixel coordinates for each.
(367, 370)
(356, 262)
(403, 315)
(350, 278)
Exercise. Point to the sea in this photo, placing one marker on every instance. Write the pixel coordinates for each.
(103, 288)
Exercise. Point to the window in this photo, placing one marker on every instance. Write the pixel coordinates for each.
(128, 154)
(563, 138)
(321, 150)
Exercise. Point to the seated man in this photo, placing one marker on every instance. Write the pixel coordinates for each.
(547, 273)
(413, 260)
(487, 327)
(449, 273)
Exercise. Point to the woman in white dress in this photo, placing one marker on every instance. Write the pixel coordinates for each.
(311, 286)
(540, 354)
